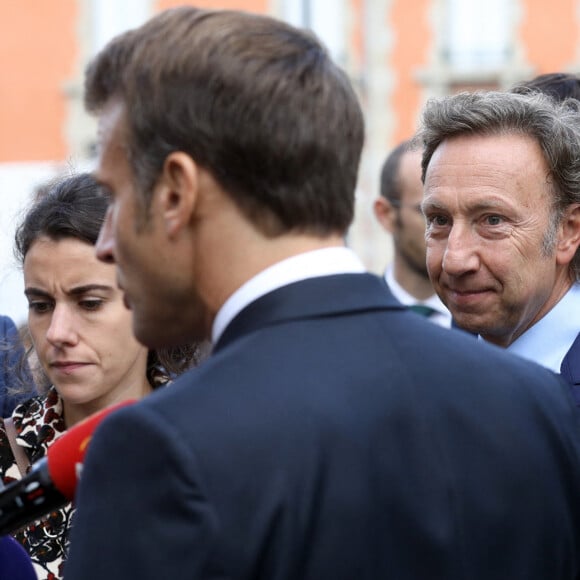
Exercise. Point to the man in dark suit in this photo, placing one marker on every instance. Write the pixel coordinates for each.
(331, 434)
(502, 204)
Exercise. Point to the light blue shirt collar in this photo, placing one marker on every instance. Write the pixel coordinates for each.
(324, 262)
(548, 341)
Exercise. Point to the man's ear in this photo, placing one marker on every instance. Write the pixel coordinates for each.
(177, 191)
(385, 213)
(569, 234)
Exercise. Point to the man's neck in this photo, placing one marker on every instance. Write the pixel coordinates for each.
(411, 281)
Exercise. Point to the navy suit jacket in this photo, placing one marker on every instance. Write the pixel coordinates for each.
(11, 353)
(332, 435)
(570, 368)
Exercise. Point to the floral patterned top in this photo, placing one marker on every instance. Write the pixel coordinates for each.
(39, 421)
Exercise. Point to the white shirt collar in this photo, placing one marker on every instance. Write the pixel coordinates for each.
(324, 262)
(548, 341)
(442, 316)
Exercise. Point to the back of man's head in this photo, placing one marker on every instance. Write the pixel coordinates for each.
(255, 101)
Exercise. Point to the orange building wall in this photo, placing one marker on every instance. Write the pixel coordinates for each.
(549, 34)
(412, 39)
(38, 51)
(246, 5)
(39, 54)
(356, 29)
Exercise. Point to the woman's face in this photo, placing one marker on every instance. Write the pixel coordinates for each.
(80, 328)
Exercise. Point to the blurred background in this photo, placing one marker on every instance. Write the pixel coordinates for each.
(398, 53)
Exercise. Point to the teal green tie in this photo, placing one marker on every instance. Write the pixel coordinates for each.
(423, 310)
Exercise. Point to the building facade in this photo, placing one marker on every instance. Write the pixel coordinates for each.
(397, 52)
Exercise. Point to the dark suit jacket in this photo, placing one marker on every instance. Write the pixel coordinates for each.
(334, 436)
(11, 352)
(570, 368)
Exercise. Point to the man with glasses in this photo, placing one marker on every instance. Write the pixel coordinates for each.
(398, 210)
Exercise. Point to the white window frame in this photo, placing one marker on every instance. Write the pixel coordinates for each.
(478, 35)
(111, 17)
(326, 18)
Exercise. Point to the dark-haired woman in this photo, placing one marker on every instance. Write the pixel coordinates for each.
(82, 336)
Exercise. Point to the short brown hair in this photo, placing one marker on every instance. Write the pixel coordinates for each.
(255, 101)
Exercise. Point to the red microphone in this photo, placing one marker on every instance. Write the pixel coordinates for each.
(52, 481)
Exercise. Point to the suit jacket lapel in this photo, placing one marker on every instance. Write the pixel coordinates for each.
(570, 369)
(312, 298)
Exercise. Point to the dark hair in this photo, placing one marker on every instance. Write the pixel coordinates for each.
(73, 207)
(256, 102)
(390, 185)
(64, 208)
(554, 126)
(559, 86)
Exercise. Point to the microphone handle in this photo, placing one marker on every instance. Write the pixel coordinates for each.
(29, 499)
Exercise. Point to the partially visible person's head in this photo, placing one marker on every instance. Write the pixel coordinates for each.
(256, 102)
(502, 204)
(254, 107)
(559, 86)
(79, 326)
(398, 209)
